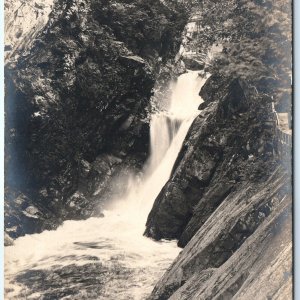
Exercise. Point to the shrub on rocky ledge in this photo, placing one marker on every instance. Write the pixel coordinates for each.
(256, 39)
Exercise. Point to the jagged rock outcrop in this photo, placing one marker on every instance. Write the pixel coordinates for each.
(77, 102)
(80, 94)
(227, 194)
(193, 64)
(229, 145)
(261, 267)
(228, 201)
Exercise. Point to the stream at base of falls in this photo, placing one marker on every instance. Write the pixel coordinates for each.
(109, 258)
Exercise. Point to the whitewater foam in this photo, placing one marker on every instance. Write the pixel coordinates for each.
(115, 242)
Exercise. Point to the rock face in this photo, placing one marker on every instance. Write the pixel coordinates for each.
(193, 64)
(227, 195)
(228, 147)
(261, 267)
(228, 200)
(77, 102)
(23, 21)
(78, 99)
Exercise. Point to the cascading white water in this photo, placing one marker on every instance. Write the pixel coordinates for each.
(111, 251)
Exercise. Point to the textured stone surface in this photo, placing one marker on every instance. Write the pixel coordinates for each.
(228, 202)
(76, 104)
(81, 92)
(227, 147)
(237, 233)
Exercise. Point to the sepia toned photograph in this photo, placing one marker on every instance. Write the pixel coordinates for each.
(148, 150)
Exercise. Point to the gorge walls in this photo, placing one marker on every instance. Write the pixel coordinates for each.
(76, 103)
(229, 198)
(228, 202)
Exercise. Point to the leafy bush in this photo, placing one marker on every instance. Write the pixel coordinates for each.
(257, 40)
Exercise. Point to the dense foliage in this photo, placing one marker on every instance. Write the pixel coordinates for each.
(147, 28)
(257, 41)
(81, 91)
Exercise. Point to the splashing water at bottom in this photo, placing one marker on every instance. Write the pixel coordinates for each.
(108, 258)
(98, 258)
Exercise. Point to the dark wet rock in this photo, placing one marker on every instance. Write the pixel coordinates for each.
(193, 64)
(132, 60)
(24, 215)
(228, 202)
(79, 94)
(212, 89)
(227, 146)
(175, 203)
(264, 259)
(236, 100)
(105, 178)
(202, 211)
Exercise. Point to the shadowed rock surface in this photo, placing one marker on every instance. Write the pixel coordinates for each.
(228, 194)
(229, 146)
(78, 99)
(77, 107)
(260, 268)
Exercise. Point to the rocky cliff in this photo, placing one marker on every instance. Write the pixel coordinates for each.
(229, 148)
(76, 104)
(227, 194)
(229, 199)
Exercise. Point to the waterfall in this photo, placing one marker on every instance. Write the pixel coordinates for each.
(129, 262)
(168, 129)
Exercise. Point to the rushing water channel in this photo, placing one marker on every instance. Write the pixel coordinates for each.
(109, 258)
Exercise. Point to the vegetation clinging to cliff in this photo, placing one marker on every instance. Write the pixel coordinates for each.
(257, 40)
